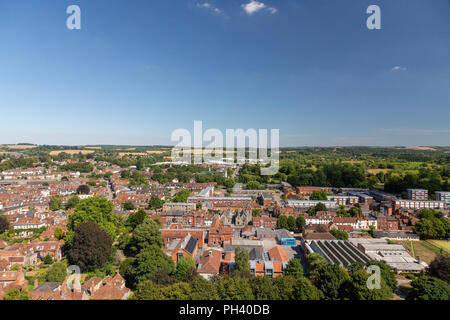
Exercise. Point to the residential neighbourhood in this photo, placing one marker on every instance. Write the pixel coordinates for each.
(227, 159)
(204, 226)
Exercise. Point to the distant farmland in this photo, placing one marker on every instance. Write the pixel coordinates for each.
(56, 152)
(20, 146)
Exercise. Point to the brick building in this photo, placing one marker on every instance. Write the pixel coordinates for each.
(219, 235)
(265, 222)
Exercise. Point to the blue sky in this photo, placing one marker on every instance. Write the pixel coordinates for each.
(137, 70)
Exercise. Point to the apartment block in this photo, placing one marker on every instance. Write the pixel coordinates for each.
(443, 196)
(417, 194)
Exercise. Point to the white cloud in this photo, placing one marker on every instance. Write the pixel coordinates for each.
(254, 6)
(207, 5)
(398, 68)
(204, 5)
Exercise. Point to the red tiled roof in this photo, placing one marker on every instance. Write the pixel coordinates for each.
(278, 254)
(210, 263)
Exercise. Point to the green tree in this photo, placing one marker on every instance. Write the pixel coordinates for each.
(91, 246)
(183, 267)
(263, 289)
(128, 206)
(386, 273)
(126, 271)
(55, 203)
(145, 235)
(48, 259)
(83, 189)
(147, 290)
(432, 225)
(242, 260)
(312, 211)
(315, 262)
(229, 183)
(96, 209)
(155, 203)
(124, 242)
(305, 290)
(285, 286)
(59, 234)
(164, 278)
(429, 288)
(425, 229)
(4, 224)
(202, 289)
(291, 224)
(148, 262)
(360, 291)
(57, 272)
(339, 234)
(294, 268)
(440, 268)
(355, 267)
(353, 212)
(256, 212)
(371, 230)
(253, 185)
(342, 212)
(136, 218)
(319, 195)
(16, 294)
(182, 196)
(320, 207)
(234, 288)
(282, 222)
(329, 279)
(177, 291)
(300, 223)
(72, 203)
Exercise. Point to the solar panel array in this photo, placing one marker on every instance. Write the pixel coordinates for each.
(340, 252)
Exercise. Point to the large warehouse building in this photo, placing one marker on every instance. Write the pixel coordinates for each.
(341, 252)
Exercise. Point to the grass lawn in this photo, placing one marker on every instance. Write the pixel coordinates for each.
(424, 250)
(444, 244)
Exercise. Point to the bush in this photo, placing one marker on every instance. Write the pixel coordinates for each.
(410, 276)
(57, 272)
(48, 259)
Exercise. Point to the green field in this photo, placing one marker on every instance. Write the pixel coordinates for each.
(425, 250)
(444, 244)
